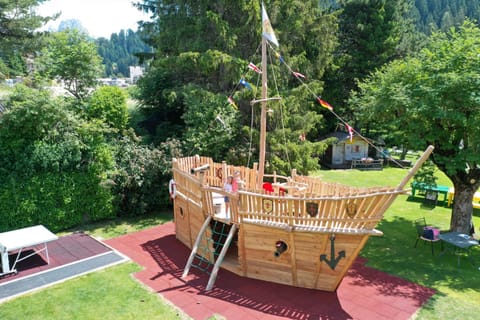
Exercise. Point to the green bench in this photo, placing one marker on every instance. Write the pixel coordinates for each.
(423, 187)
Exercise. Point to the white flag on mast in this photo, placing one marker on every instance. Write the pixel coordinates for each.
(267, 28)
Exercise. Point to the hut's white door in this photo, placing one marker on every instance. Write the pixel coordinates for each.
(348, 151)
(338, 153)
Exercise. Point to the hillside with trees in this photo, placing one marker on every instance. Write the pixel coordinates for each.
(428, 15)
(434, 14)
(120, 52)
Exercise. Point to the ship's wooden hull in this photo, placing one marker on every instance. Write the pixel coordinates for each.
(322, 229)
(302, 232)
(253, 253)
(300, 265)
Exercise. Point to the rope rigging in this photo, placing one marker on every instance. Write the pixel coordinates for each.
(301, 78)
(211, 248)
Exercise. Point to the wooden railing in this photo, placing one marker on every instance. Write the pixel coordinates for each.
(367, 164)
(343, 214)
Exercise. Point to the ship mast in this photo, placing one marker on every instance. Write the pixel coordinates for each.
(263, 117)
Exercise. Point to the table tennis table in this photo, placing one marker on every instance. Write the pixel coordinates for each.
(18, 240)
(461, 242)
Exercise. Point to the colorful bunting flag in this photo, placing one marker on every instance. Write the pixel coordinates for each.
(245, 84)
(267, 28)
(219, 119)
(279, 57)
(298, 74)
(254, 68)
(350, 132)
(232, 102)
(324, 104)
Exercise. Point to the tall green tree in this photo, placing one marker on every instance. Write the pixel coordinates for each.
(371, 33)
(72, 57)
(18, 22)
(205, 46)
(432, 99)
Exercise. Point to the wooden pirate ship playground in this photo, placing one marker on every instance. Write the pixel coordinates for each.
(295, 230)
(305, 233)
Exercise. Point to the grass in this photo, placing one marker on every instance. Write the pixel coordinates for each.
(108, 294)
(120, 226)
(113, 293)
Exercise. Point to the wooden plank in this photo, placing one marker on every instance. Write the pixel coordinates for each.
(182, 222)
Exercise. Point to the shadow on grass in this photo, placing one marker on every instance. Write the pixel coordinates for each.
(395, 253)
(124, 225)
(425, 204)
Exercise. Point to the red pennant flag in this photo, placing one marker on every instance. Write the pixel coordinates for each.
(350, 132)
(324, 104)
(298, 75)
(232, 102)
(254, 68)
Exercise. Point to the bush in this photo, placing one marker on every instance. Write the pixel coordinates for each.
(58, 201)
(142, 175)
(109, 104)
(53, 165)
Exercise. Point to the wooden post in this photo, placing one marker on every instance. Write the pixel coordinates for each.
(263, 119)
(415, 168)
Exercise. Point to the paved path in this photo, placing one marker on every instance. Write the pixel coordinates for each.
(70, 256)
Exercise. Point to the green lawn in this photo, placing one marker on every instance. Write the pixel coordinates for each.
(117, 227)
(113, 293)
(108, 294)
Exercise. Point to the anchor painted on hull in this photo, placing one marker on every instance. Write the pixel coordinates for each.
(332, 263)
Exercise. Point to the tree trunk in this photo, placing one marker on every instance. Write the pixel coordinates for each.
(404, 153)
(461, 220)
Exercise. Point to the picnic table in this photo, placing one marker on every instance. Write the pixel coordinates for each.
(18, 240)
(460, 241)
(421, 186)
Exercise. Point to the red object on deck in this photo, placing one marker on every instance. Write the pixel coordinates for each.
(267, 186)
